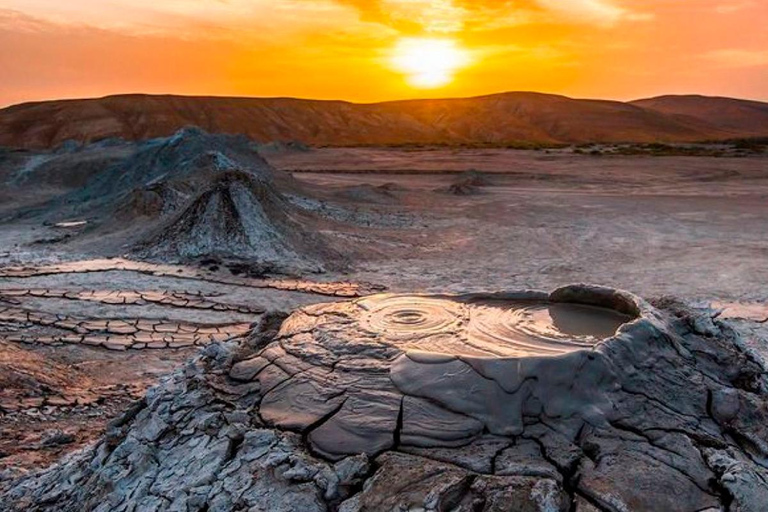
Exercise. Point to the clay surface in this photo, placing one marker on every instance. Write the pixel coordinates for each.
(376, 404)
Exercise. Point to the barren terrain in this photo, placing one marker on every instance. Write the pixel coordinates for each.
(517, 119)
(88, 322)
(685, 226)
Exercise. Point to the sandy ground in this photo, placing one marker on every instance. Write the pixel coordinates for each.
(693, 227)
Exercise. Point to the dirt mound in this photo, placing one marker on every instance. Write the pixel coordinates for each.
(384, 193)
(243, 217)
(468, 183)
(277, 147)
(595, 401)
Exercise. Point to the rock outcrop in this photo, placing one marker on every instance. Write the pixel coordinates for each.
(583, 399)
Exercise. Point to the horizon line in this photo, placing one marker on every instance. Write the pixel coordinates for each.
(298, 98)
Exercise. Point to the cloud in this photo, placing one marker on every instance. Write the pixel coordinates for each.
(731, 7)
(600, 12)
(441, 16)
(446, 16)
(412, 16)
(738, 58)
(20, 22)
(192, 18)
(279, 18)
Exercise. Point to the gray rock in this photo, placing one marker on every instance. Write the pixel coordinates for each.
(745, 483)
(57, 438)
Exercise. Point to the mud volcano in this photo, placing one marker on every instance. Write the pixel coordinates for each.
(196, 196)
(586, 399)
(443, 368)
(239, 216)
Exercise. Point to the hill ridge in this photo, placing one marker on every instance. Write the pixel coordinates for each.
(493, 119)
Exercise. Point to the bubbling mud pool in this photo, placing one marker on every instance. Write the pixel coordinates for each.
(445, 367)
(490, 328)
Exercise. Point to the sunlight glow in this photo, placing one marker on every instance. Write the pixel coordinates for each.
(428, 62)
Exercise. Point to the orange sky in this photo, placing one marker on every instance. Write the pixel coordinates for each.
(342, 49)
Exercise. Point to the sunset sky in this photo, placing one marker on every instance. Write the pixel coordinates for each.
(372, 50)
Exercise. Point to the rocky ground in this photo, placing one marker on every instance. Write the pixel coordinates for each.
(277, 419)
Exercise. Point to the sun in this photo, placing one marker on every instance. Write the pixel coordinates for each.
(428, 62)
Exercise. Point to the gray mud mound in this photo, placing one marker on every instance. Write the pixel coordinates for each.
(31, 180)
(366, 193)
(65, 169)
(467, 183)
(189, 196)
(239, 217)
(191, 156)
(151, 201)
(157, 177)
(279, 147)
(585, 399)
(108, 177)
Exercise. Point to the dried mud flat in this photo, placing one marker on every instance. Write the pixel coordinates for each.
(81, 340)
(584, 399)
(693, 227)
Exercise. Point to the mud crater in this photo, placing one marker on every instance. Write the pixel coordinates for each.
(438, 370)
(500, 328)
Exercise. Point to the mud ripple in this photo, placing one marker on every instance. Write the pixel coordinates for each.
(494, 328)
(540, 329)
(411, 316)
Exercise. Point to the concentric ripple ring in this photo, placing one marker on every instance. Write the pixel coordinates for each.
(402, 317)
(487, 328)
(542, 329)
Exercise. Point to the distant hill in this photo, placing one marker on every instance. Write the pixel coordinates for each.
(508, 118)
(749, 118)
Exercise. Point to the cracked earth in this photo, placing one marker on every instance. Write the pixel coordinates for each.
(392, 403)
(56, 321)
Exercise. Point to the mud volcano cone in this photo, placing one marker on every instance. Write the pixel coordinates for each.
(438, 371)
(189, 157)
(241, 217)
